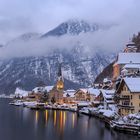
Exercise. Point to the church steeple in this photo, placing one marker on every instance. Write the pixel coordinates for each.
(60, 82)
(59, 71)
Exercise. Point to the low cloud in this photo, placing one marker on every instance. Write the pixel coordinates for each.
(112, 40)
(18, 17)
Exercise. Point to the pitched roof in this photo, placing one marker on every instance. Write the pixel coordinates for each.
(133, 84)
(83, 89)
(108, 93)
(132, 66)
(128, 58)
(69, 93)
(94, 91)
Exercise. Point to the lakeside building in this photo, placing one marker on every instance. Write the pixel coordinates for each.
(20, 93)
(128, 96)
(82, 95)
(56, 94)
(94, 96)
(131, 47)
(69, 96)
(38, 93)
(107, 98)
(125, 59)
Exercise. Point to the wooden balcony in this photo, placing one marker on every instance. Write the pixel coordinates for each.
(125, 106)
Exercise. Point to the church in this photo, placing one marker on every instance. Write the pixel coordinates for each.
(56, 94)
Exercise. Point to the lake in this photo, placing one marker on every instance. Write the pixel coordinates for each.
(18, 123)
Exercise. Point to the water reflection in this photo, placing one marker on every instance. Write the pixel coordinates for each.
(54, 118)
(73, 120)
(46, 115)
(36, 116)
(19, 123)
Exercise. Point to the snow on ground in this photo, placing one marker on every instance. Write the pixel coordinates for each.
(133, 119)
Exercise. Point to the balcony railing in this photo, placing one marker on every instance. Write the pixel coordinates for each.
(125, 106)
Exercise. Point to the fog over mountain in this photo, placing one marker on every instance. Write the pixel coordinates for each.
(21, 17)
(84, 35)
(81, 60)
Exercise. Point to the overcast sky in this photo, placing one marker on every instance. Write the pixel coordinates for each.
(22, 16)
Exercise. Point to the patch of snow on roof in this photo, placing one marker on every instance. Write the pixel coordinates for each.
(133, 84)
(69, 93)
(132, 66)
(84, 90)
(94, 91)
(21, 93)
(108, 93)
(48, 88)
(129, 58)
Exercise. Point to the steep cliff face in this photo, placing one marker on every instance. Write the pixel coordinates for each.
(78, 68)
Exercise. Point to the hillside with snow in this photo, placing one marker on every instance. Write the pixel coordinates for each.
(79, 68)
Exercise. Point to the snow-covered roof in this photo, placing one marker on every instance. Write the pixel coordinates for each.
(21, 93)
(69, 93)
(42, 89)
(82, 103)
(109, 113)
(133, 84)
(128, 58)
(132, 66)
(84, 90)
(108, 93)
(94, 91)
(48, 88)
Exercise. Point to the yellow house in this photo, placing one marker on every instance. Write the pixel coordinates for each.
(82, 95)
(128, 94)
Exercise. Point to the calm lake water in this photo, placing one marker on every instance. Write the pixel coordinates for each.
(17, 123)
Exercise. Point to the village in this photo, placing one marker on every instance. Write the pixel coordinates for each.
(116, 100)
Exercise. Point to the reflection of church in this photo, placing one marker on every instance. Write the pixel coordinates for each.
(56, 95)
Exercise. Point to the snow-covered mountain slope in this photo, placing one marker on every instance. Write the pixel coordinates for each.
(79, 68)
(72, 27)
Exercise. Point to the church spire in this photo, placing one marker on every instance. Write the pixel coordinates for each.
(60, 82)
(59, 71)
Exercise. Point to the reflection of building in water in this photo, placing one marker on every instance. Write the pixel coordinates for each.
(46, 115)
(73, 120)
(36, 116)
(54, 118)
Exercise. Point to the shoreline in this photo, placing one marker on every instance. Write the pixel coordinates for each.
(109, 122)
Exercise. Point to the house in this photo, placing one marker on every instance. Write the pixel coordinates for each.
(94, 96)
(122, 60)
(20, 93)
(128, 95)
(69, 96)
(82, 95)
(130, 70)
(107, 97)
(131, 47)
(38, 93)
(107, 83)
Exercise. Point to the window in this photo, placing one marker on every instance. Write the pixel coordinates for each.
(131, 103)
(131, 96)
(139, 96)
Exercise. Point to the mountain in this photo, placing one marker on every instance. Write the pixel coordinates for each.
(79, 68)
(72, 27)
